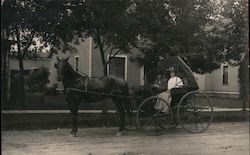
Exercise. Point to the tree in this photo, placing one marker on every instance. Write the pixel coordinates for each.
(5, 45)
(30, 22)
(236, 38)
(234, 30)
(243, 76)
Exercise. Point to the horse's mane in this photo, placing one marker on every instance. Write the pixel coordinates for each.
(69, 68)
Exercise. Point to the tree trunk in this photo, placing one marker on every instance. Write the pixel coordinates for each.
(102, 52)
(4, 78)
(105, 69)
(6, 46)
(244, 82)
(21, 91)
(20, 56)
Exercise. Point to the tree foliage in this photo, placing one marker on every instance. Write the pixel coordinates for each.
(196, 30)
(34, 21)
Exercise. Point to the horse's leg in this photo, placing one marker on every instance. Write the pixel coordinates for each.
(74, 112)
(73, 106)
(119, 105)
(129, 108)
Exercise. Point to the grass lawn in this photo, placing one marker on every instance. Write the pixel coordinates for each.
(33, 102)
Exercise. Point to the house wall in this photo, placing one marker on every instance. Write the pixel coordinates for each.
(212, 82)
(97, 67)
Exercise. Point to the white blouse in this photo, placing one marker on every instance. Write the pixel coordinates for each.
(174, 82)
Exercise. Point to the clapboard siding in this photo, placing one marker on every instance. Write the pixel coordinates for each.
(97, 67)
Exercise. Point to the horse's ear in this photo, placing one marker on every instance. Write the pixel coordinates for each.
(67, 58)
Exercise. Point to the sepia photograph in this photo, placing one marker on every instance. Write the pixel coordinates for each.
(125, 77)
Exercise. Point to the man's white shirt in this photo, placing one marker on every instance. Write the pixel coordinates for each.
(174, 82)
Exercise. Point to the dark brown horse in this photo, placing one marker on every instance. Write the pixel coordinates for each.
(108, 84)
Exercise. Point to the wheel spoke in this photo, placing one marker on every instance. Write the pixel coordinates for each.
(190, 104)
(150, 118)
(201, 122)
(189, 119)
(158, 124)
(148, 114)
(189, 109)
(200, 106)
(147, 123)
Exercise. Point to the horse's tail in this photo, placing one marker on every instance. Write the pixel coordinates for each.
(126, 102)
(126, 99)
(122, 87)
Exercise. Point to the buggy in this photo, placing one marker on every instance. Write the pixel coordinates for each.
(189, 107)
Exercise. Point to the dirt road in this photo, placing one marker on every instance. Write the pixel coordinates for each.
(220, 139)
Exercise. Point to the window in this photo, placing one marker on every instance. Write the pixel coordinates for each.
(225, 75)
(77, 63)
(118, 67)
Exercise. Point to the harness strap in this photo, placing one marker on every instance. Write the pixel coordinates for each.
(86, 84)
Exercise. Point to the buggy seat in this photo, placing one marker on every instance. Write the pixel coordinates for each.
(177, 94)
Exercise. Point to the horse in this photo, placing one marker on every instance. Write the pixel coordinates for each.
(106, 85)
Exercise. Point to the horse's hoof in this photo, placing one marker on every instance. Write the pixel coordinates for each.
(119, 134)
(73, 133)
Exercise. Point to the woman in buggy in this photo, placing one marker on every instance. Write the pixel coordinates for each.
(173, 82)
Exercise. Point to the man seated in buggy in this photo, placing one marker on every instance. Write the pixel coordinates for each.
(173, 82)
(160, 82)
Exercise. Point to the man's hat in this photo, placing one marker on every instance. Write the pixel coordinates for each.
(171, 69)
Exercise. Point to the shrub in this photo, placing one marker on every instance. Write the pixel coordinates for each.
(38, 80)
(51, 91)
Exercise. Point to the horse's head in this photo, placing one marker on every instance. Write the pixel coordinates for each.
(60, 66)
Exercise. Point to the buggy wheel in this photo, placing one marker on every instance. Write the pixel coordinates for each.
(195, 112)
(151, 119)
(130, 120)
